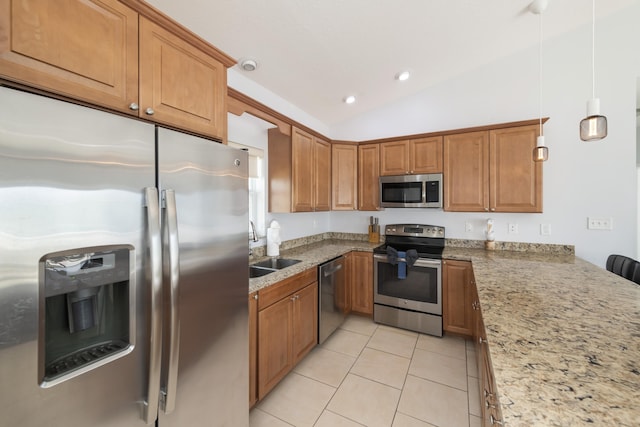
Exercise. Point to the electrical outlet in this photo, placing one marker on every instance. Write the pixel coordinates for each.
(545, 229)
(513, 228)
(600, 223)
(468, 227)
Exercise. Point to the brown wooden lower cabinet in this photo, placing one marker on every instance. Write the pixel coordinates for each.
(360, 267)
(489, 402)
(253, 348)
(287, 327)
(457, 294)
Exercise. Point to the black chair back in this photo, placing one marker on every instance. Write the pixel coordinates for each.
(624, 266)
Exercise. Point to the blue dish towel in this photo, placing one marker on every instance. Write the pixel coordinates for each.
(402, 266)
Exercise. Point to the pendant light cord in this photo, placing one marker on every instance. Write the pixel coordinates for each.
(593, 49)
(540, 75)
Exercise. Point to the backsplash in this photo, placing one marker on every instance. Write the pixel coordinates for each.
(514, 246)
(260, 251)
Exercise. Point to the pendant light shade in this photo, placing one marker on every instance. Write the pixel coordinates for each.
(594, 126)
(541, 152)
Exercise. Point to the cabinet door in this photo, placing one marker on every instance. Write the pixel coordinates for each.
(274, 344)
(253, 348)
(305, 321)
(81, 49)
(302, 148)
(322, 175)
(457, 313)
(466, 172)
(515, 180)
(362, 282)
(426, 155)
(394, 158)
(179, 84)
(369, 177)
(344, 174)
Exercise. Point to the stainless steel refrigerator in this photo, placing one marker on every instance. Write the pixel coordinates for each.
(123, 271)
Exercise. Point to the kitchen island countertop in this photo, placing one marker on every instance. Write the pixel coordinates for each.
(563, 334)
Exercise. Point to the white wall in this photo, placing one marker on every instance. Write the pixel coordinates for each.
(595, 179)
(580, 179)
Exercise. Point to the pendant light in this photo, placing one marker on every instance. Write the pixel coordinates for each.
(541, 152)
(594, 126)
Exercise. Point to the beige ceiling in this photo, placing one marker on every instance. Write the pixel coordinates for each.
(313, 53)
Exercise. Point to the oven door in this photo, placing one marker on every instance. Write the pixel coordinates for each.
(421, 290)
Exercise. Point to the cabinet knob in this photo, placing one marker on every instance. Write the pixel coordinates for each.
(489, 405)
(493, 209)
(487, 394)
(255, 296)
(134, 107)
(495, 421)
(482, 340)
(149, 111)
(486, 209)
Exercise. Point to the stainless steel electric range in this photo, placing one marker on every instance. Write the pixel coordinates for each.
(407, 278)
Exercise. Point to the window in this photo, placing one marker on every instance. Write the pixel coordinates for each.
(257, 197)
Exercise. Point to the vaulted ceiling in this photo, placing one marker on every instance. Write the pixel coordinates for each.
(313, 53)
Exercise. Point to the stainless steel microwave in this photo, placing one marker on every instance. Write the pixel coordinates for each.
(411, 191)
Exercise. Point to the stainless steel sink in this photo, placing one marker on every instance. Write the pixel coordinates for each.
(259, 272)
(276, 263)
(270, 265)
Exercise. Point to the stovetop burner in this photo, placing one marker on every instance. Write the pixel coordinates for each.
(427, 240)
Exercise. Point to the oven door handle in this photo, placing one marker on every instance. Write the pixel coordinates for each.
(420, 262)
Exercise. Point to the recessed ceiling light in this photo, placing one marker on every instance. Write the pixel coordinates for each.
(249, 65)
(350, 99)
(403, 75)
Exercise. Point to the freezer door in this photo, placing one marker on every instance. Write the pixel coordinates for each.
(71, 177)
(209, 182)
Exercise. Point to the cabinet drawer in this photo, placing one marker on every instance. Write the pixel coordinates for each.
(276, 292)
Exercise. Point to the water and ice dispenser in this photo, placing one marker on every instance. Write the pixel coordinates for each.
(86, 310)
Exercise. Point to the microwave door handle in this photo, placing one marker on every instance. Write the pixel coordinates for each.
(172, 255)
(154, 272)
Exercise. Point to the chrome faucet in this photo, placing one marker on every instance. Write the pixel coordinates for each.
(254, 237)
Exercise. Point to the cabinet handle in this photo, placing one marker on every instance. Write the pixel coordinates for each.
(495, 421)
(482, 340)
(134, 107)
(149, 111)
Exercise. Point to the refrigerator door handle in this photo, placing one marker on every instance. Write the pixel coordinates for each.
(173, 264)
(154, 272)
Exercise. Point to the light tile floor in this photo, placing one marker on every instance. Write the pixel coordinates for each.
(374, 375)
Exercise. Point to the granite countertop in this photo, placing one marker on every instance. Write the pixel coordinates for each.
(563, 334)
(564, 338)
(310, 256)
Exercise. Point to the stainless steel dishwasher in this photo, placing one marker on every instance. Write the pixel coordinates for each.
(332, 300)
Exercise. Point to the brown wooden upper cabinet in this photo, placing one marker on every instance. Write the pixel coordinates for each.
(414, 156)
(344, 177)
(299, 172)
(492, 171)
(368, 177)
(111, 56)
(179, 84)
